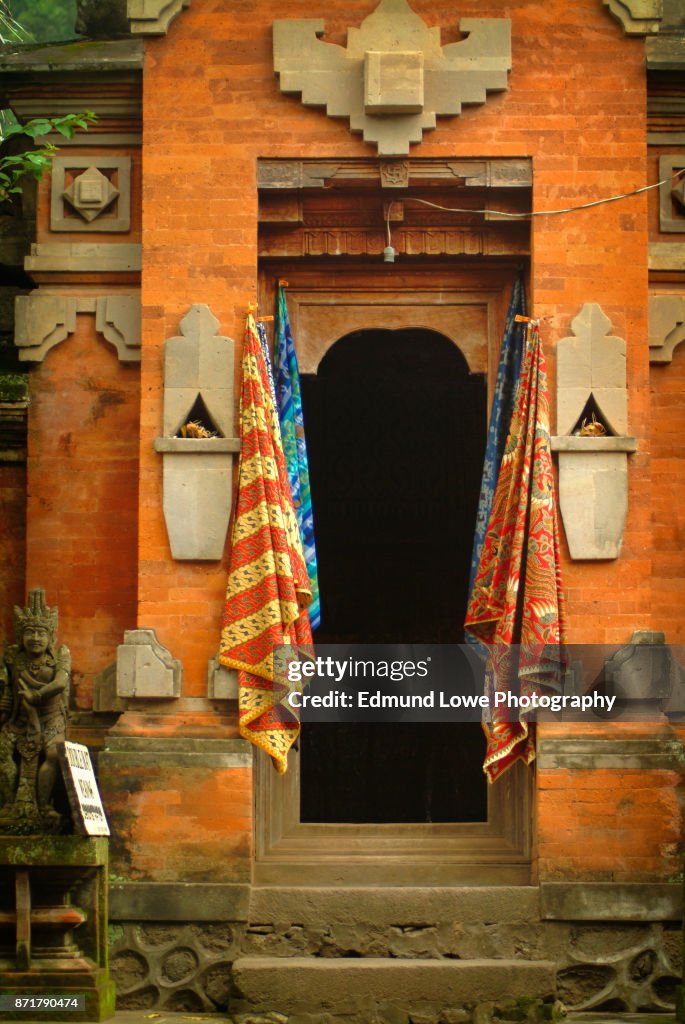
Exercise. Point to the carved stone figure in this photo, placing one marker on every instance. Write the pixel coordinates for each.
(34, 693)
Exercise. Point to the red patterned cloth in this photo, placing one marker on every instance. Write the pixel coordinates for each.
(517, 596)
(268, 587)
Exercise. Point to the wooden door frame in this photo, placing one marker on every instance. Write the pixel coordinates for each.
(355, 297)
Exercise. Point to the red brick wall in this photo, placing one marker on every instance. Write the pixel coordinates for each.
(12, 544)
(82, 499)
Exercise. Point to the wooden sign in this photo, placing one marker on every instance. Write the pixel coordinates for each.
(82, 789)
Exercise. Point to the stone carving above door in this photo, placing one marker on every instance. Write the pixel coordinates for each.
(393, 77)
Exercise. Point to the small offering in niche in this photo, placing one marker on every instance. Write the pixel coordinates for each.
(195, 429)
(592, 428)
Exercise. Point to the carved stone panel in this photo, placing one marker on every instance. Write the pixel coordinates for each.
(666, 326)
(41, 322)
(593, 460)
(91, 193)
(672, 193)
(638, 17)
(145, 668)
(153, 17)
(393, 77)
(197, 470)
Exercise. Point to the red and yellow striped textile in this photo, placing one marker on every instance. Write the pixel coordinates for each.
(518, 591)
(268, 587)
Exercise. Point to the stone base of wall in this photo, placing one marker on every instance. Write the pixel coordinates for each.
(304, 935)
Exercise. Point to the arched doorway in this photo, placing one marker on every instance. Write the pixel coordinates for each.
(396, 428)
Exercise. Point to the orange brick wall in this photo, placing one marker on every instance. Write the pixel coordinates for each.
(12, 544)
(176, 823)
(82, 500)
(668, 496)
(575, 104)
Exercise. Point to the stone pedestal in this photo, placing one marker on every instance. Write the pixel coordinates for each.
(53, 924)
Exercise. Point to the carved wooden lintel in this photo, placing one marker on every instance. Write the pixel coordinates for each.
(496, 241)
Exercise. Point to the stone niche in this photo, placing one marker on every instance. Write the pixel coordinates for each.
(592, 425)
(198, 446)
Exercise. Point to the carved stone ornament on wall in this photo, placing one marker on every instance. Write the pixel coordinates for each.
(638, 17)
(197, 465)
(666, 326)
(592, 420)
(393, 77)
(672, 193)
(42, 321)
(91, 193)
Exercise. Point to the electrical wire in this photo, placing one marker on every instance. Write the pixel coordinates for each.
(535, 213)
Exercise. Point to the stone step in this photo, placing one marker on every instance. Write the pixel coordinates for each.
(431, 923)
(380, 989)
(394, 905)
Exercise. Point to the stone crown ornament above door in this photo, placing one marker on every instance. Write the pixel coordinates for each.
(393, 77)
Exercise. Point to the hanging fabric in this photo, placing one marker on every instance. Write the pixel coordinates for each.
(264, 342)
(289, 401)
(268, 587)
(518, 592)
(500, 418)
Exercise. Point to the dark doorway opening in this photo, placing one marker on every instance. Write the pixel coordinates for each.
(396, 429)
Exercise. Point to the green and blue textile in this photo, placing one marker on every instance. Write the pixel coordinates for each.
(498, 428)
(289, 404)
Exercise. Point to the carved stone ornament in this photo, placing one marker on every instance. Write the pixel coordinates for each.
(145, 668)
(43, 321)
(107, 19)
(102, 204)
(592, 415)
(197, 467)
(90, 193)
(153, 17)
(638, 17)
(666, 326)
(393, 77)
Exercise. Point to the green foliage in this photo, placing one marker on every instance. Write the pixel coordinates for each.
(43, 21)
(32, 163)
(10, 30)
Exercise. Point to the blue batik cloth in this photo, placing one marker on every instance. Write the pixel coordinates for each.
(289, 405)
(264, 342)
(498, 428)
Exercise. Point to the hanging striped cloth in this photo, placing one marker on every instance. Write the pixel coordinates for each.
(500, 418)
(268, 589)
(289, 401)
(518, 591)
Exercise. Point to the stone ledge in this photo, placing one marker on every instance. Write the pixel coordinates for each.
(178, 901)
(572, 443)
(181, 752)
(587, 753)
(89, 55)
(393, 905)
(611, 901)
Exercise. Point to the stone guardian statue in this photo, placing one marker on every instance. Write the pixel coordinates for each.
(34, 694)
